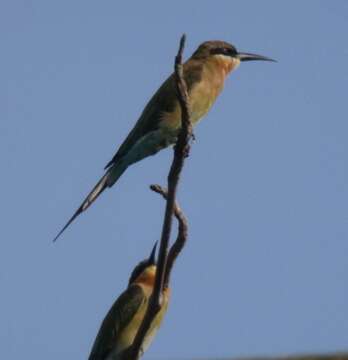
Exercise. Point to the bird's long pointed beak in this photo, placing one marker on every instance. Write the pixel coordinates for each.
(251, 57)
(152, 255)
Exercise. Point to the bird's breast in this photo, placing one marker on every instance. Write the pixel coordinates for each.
(206, 91)
(202, 96)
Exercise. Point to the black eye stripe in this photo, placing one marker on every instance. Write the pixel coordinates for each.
(224, 51)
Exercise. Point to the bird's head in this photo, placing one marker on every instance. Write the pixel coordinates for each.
(225, 53)
(145, 271)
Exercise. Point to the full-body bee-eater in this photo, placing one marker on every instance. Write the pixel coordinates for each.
(118, 329)
(158, 125)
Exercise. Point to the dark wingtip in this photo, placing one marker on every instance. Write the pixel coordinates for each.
(110, 163)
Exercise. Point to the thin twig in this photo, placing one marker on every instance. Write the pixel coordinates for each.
(180, 241)
(181, 150)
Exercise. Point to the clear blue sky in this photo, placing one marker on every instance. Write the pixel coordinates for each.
(265, 188)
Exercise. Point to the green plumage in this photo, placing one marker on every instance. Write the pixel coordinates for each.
(119, 316)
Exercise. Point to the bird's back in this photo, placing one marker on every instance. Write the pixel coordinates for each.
(123, 320)
(110, 338)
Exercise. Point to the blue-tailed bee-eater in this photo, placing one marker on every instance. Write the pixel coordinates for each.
(158, 126)
(121, 324)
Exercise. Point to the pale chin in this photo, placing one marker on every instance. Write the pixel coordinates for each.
(236, 63)
(229, 62)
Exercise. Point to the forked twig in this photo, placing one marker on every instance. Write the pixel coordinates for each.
(181, 238)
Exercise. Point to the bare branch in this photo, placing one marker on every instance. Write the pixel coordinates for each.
(180, 241)
(181, 150)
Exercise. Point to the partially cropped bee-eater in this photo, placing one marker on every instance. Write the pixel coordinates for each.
(118, 329)
(158, 126)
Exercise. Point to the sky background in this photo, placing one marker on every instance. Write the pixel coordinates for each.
(265, 188)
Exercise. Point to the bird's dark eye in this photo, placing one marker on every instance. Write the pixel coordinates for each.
(231, 51)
